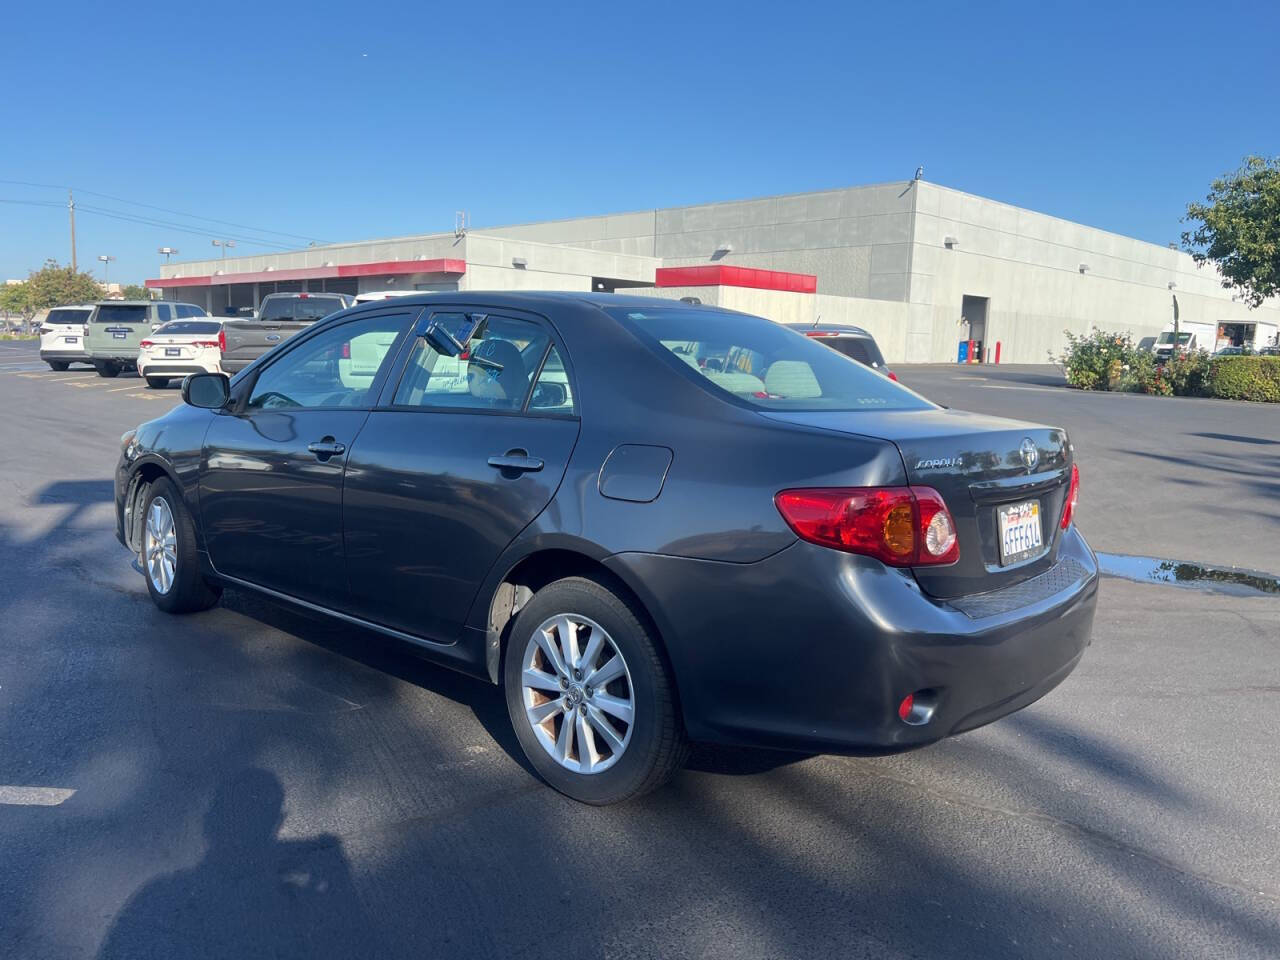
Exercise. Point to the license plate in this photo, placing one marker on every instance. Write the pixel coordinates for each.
(119, 336)
(70, 339)
(173, 351)
(1020, 534)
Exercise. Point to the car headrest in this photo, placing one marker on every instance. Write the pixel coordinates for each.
(793, 379)
(499, 375)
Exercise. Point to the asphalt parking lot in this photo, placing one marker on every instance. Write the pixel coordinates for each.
(253, 782)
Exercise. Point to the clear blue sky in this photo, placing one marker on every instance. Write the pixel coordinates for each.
(349, 121)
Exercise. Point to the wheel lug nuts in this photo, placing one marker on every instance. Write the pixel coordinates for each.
(577, 674)
(582, 710)
(563, 683)
(588, 691)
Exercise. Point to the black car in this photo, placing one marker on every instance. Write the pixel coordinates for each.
(560, 493)
(854, 342)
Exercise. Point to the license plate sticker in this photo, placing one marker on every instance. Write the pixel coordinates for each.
(173, 351)
(1021, 536)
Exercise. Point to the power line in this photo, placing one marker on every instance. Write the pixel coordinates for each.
(179, 213)
(169, 225)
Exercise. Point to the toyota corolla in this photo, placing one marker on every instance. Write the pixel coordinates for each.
(651, 522)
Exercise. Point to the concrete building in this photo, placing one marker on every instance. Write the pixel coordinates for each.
(920, 265)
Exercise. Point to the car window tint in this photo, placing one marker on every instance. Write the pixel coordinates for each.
(164, 313)
(335, 368)
(120, 313)
(551, 391)
(493, 373)
(211, 327)
(854, 347)
(66, 316)
(301, 307)
(762, 363)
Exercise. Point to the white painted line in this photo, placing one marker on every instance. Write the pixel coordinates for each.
(994, 386)
(34, 796)
(131, 386)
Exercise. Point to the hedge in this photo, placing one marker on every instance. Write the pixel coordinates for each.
(1245, 378)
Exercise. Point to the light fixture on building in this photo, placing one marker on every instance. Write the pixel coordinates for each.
(519, 262)
(1084, 268)
(723, 248)
(950, 242)
(1172, 284)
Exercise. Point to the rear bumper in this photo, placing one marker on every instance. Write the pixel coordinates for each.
(129, 360)
(68, 355)
(813, 649)
(159, 369)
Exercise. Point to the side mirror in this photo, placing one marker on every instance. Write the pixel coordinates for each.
(210, 391)
(448, 333)
(547, 395)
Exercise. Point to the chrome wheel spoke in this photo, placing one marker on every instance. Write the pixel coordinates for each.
(549, 650)
(605, 729)
(610, 671)
(586, 743)
(595, 643)
(564, 742)
(160, 545)
(614, 706)
(543, 711)
(567, 631)
(536, 679)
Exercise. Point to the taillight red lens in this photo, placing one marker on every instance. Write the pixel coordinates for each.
(147, 343)
(899, 526)
(206, 343)
(893, 376)
(346, 350)
(1073, 495)
(222, 340)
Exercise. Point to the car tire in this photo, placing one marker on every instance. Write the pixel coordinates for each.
(168, 553)
(652, 744)
(157, 383)
(58, 366)
(106, 368)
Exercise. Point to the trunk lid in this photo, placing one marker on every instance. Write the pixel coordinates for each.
(977, 463)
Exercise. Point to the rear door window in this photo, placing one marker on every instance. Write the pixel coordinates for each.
(66, 316)
(496, 372)
(304, 308)
(121, 313)
(762, 364)
(857, 348)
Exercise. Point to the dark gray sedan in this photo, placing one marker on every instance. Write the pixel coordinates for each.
(651, 522)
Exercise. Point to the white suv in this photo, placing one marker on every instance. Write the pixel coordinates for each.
(62, 336)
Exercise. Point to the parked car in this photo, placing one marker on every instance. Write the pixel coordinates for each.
(180, 347)
(853, 342)
(1192, 336)
(62, 336)
(116, 328)
(640, 550)
(279, 317)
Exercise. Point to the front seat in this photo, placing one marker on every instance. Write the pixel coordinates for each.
(496, 374)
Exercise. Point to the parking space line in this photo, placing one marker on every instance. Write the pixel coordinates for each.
(120, 389)
(34, 796)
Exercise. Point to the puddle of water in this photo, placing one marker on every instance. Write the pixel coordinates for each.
(1228, 580)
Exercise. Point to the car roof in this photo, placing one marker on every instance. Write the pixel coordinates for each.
(129, 303)
(531, 299)
(831, 328)
(73, 306)
(307, 293)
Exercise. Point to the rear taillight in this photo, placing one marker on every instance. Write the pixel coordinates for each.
(1073, 495)
(346, 350)
(222, 340)
(207, 343)
(900, 526)
(891, 375)
(147, 343)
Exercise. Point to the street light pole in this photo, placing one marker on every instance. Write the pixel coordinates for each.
(106, 265)
(167, 251)
(223, 244)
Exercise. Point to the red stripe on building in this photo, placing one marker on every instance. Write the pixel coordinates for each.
(724, 275)
(385, 268)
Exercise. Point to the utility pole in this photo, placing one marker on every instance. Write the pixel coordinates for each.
(71, 207)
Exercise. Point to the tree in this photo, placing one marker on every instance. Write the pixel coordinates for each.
(55, 286)
(135, 292)
(1238, 228)
(14, 298)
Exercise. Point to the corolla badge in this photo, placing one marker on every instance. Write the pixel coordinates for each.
(1029, 453)
(936, 463)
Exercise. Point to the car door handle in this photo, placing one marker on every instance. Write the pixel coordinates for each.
(516, 461)
(328, 447)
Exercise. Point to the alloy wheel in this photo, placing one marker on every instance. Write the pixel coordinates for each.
(160, 546)
(577, 693)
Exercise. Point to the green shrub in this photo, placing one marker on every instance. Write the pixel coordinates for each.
(1104, 361)
(1245, 378)
(1187, 373)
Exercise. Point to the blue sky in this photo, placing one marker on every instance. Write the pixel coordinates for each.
(344, 122)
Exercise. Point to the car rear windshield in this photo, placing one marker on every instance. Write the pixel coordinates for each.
(121, 313)
(190, 326)
(300, 308)
(862, 349)
(763, 364)
(64, 315)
